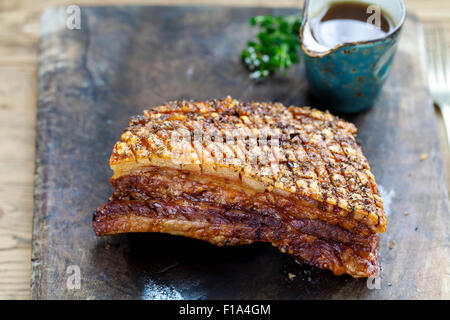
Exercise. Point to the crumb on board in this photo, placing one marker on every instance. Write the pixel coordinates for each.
(391, 245)
(406, 213)
(107, 247)
(291, 276)
(423, 157)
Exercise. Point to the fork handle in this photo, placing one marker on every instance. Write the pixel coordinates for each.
(445, 109)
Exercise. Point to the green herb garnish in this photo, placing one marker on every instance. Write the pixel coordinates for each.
(277, 46)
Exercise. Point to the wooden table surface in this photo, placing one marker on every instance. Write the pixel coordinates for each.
(19, 37)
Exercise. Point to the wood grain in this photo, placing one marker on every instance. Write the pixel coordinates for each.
(17, 124)
(19, 34)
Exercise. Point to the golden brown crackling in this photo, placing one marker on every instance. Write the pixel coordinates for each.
(331, 168)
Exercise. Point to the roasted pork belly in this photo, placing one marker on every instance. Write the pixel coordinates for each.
(233, 173)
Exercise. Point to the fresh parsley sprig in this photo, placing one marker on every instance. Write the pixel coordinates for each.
(276, 47)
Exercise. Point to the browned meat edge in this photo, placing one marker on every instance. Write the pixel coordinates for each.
(122, 216)
(224, 214)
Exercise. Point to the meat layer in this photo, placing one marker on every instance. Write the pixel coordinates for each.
(225, 213)
(122, 216)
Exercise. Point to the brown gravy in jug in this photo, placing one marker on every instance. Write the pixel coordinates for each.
(349, 21)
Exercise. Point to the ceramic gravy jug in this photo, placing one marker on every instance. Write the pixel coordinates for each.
(347, 78)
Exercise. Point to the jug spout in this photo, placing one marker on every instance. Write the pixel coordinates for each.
(309, 44)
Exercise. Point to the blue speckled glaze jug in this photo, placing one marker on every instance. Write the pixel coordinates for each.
(349, 77)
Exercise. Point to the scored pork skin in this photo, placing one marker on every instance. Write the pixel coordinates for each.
(320, 203)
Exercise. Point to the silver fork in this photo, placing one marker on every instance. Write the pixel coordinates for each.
(438, 59)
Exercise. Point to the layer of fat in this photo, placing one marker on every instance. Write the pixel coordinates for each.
(230, 173)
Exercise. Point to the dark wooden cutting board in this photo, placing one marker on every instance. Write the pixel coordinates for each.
(124, 59)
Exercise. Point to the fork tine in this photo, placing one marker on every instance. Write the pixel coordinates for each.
(445, 58)
(428, 52)
(439, 65)
(430, 57)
